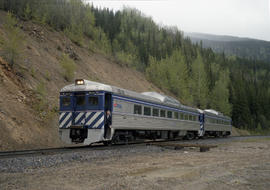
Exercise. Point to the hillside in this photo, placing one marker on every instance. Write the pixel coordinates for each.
(26, 120)
(230, 45)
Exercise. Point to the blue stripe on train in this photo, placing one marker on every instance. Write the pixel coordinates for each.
(63, 118)
(73, 116)
(101, 125)
(96, 120)
(79, 120)
(90, 116)
(67, 122)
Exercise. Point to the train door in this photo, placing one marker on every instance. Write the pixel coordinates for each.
(201, 120)
(107, 107)
(108, 102)
(79, 104)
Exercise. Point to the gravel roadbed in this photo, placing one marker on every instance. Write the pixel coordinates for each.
(237, 163)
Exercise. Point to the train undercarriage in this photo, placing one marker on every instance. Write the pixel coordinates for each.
(78, 135)
(124, 136)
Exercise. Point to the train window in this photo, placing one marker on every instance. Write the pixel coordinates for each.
(93, 100)
(137, 109)
(155, 112)
(80, 100)
(190, 117)
(169, 114)
(66, 101)
(181, 116)
(186, 117)
(147, 111)
(162, 113)
(194, 117)
(176, 116)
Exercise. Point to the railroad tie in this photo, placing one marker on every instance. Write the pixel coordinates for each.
(203, 147)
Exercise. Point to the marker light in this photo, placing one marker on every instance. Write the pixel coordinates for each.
(79, 82)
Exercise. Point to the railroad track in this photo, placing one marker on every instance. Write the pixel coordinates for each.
(50, 151)
(8, 154)
(162, 143)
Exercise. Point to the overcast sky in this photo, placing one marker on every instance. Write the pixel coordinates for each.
(244, 18)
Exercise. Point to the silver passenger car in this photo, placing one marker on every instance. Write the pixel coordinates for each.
(147, 115)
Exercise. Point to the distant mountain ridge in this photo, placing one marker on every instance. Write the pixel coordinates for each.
(231, 45)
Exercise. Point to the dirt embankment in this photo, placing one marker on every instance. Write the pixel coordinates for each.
(38, 71)
(240, 132)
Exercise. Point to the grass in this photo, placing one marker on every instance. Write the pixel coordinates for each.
(254, 140)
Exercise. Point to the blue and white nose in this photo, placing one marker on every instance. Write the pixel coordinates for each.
(79, 118)
(65, 119)
(94, 120)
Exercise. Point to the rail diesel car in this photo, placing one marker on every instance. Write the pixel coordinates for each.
(147, 115)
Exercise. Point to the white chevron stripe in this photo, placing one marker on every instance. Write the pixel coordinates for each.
(87, 114)
(93, 118)
(78, 117)
(99, 122)
(61, 115)
(65, 120)
(69, 124)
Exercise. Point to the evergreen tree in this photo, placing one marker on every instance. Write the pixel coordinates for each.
(220, 95)
(199, 82)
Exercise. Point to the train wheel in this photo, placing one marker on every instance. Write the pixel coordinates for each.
(190, 136)
(107, 143)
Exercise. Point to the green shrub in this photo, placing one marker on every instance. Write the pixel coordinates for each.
(68, 66)
(11, 46)
(75, 33)
(41, 104)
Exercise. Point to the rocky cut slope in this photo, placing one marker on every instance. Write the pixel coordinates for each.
(29, 90)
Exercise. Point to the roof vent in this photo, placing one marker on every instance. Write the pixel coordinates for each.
(163, 98)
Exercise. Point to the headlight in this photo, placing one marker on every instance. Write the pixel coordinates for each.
(79, 82)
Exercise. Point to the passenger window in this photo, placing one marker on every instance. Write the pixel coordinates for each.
(194, 117)
(137, 109)
(162, 113)
(176, 115)
(66, 101)
(186, 117)
(93, 100)
(80, 100)
(147, 111)
(155, 112)
(190, 117)
(181, 116)
(169, 114)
